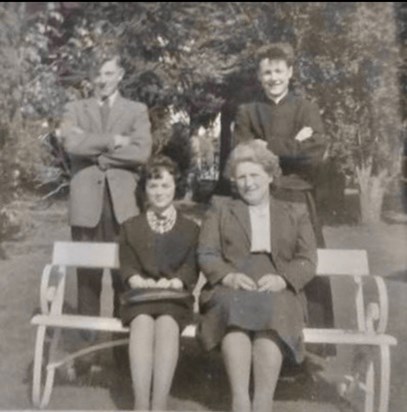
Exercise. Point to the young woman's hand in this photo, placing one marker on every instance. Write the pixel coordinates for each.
(163, 283)
(239, 281)
(149, 283)
(271, 283)
(136, 281)
(176, 284)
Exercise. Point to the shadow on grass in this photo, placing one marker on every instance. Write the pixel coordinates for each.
(201, 378)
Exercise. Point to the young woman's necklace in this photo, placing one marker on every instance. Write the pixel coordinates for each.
(164, 222)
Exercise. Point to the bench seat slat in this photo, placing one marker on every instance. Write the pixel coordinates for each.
(334, 336)
(80, 322)
(92, 323)
(350, 337)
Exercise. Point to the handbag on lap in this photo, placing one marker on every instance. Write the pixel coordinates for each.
(142, 295)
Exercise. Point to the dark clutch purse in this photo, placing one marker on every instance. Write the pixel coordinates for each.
(142, 295)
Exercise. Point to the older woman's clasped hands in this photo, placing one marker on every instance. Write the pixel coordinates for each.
(267, 283)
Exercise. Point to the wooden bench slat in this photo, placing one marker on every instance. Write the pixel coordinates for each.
(80, 322)
(86, 254)
(350, 337)
(105, 255)
(342, 262)
(334, 336)
(102, 324)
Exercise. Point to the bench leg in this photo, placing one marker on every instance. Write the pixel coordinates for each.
(41, 392)
(384, 378)
(369, 388)
(44, 289)
(365, 378)
(383, 385)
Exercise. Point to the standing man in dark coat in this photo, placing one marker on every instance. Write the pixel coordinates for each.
(107, 138)
(293, 130)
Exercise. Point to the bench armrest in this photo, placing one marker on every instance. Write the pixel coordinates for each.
(377, 314)
(52, 289)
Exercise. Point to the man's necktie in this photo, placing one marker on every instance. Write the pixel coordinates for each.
(104, 113)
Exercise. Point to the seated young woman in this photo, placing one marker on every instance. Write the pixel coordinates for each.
(157, 256)
(257, 254)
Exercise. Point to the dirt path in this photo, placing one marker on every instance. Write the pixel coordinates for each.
(200, 383)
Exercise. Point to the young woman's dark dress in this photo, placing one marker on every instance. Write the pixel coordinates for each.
(159, 255)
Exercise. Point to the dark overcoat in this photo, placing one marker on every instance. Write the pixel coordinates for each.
(225, 241)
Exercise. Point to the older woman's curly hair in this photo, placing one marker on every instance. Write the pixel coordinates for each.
(254, 151)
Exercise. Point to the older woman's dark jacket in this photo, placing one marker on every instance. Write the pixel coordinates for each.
(225, 240)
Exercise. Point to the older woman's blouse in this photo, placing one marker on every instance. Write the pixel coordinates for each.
(260, 228)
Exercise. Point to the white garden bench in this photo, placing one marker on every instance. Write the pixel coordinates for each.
(371, 319)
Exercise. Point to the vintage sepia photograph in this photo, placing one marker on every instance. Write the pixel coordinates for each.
(203, 206)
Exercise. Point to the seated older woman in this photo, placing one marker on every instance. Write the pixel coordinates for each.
(257, 254)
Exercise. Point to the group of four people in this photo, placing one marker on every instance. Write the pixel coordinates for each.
(257, 248)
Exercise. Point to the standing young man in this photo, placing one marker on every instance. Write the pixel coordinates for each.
(293, 130)
(107, 138)
(291, 125)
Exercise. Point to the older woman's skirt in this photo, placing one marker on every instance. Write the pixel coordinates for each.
(223, 308)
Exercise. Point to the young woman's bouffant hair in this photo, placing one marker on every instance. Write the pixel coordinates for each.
(154, 170)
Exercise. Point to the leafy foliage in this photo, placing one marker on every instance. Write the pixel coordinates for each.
(192, 58)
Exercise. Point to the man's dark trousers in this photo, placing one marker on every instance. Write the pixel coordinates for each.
(90, 280)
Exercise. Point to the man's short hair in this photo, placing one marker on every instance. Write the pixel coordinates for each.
(104, 54)
(276, 51)
(100, 56)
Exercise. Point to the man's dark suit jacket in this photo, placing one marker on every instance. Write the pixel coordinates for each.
(278, 124)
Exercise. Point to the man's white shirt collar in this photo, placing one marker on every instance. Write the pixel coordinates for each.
(111, 99)
(279, 98)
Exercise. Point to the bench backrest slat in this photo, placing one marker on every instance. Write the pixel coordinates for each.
(342, 262)
(105, 255)
(86, 254)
